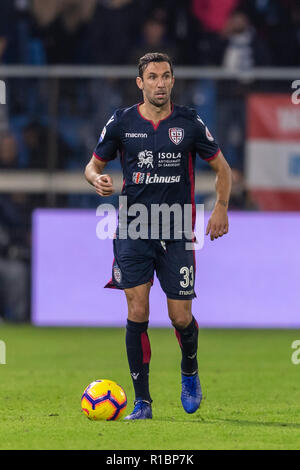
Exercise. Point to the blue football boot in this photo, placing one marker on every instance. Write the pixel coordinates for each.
(142, 410)
(191, 393)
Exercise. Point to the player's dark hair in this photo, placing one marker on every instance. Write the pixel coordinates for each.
(153, 57)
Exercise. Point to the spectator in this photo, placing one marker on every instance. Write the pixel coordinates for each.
(8, 152)
(240, 47)
(207, 18)
(36, 137)
(273, 21)
(63, 25)
(3, 43)
(267, 13)
(153, 38)
(290, 49)
(179, 24)
(240, 198)
(213, 14)
(114, 29)
(6, 26)
(14, 258)
(74, 11)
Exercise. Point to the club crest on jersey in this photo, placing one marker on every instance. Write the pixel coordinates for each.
(117, 275)
(176, 135)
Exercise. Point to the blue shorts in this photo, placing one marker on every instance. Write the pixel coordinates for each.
(136, 260)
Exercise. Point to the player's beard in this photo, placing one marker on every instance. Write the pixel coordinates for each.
(159, 103)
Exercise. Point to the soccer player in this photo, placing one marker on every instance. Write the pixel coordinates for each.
(158, 141)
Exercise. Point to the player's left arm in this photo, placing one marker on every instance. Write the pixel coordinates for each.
(218, 223)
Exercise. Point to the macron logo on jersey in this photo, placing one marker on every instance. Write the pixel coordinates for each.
(135, 135)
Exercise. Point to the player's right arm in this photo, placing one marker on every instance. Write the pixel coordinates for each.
(103, 183)
(105, 151)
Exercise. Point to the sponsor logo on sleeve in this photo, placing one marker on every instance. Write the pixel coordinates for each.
(208, 135)
(102, 135)
(104, 129)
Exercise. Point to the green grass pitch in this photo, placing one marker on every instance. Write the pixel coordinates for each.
(251, 390)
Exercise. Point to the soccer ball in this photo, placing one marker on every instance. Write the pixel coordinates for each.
(104, 400)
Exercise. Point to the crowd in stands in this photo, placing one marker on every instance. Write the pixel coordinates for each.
(195, 32)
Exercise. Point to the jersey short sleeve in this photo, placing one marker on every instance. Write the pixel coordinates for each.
(108, 143)
(205, 144)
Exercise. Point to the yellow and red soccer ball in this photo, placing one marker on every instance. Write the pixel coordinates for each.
(104, 400)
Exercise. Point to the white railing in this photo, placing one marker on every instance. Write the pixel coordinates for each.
(117, 71)
(64, 182)
(32, 181)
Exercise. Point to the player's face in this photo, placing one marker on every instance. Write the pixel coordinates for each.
(157, 83)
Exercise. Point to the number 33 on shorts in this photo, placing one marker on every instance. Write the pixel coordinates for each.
(188, 276)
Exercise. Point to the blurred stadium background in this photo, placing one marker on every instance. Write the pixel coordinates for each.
(67, 65)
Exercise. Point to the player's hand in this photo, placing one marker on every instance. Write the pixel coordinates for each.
(218, 223)
(104, 185)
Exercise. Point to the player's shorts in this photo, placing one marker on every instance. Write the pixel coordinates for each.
(135, 262)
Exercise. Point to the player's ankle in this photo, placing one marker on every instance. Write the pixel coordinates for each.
(190, 374)
(145, 400)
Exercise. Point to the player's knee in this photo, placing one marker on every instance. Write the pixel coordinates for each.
(138, 306)
(181, 322)
(138, 313)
